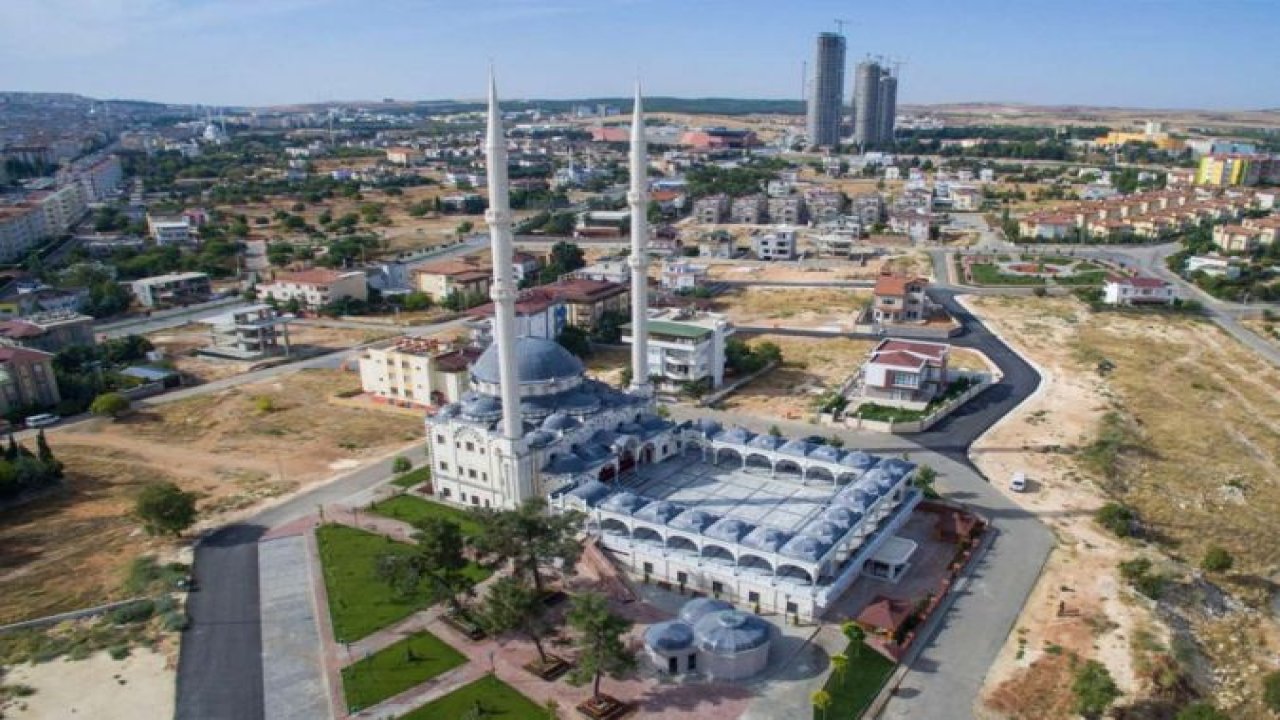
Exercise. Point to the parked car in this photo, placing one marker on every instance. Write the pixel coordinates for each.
(41, 420)
(1019, 482)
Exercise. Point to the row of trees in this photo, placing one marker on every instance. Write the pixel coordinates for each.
(23, 471)
(746, 359)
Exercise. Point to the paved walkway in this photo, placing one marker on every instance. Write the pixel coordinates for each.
(293, 678)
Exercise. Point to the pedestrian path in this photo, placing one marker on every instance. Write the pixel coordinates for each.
(294, 686)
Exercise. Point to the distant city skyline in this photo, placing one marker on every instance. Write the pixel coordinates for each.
(1165, 54)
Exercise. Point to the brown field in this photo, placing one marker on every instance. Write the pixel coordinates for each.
(1196, 423)
(1265, 329)
(70, 550)
(821, 270)
(607, 364)
(792, 308)
(180, 344)
(811, 366)
(1040, 115)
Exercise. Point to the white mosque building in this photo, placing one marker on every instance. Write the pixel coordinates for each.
(782, 525)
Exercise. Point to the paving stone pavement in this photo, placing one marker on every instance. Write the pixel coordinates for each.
(293, 677)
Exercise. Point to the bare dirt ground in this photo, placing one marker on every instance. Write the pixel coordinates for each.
(1041, 115)
(181, 343)
(811, 366)
(71, 550)
(807, 308)
(1265, 329)
(139, 686)
(607, 364)
(817, 271)
(1191, 489)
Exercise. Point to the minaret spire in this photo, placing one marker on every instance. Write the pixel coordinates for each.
(503, 290)
(638, 199)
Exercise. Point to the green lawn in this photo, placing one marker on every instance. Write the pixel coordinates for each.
(410, 509)
(413, 477)
(496, 699)
(396, 668)
(359, 602)
(987, 274)
(852, 692)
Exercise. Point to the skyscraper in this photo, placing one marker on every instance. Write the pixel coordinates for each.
(866, 103)
(875, 103)
(827, 94)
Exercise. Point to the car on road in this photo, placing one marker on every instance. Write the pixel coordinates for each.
(1019, 482)
(41, 420)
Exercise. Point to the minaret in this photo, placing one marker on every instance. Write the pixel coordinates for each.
(503, 289)
(638, 199)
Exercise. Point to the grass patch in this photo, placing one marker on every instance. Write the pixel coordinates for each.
(494, 698)
(988, 274)
(396, 668)
(359, 602)
(852, 691)
(411, 509)
(413, 477)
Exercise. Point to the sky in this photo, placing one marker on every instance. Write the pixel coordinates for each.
(1217, 54)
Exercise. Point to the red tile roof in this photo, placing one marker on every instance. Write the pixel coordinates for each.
(934, 351)
(584, 290)
(885, 613)
(315, 276)
(895, 284)
(1138, 281)
(21, 354)
(15, 329)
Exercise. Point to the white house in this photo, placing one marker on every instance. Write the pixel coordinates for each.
(170, 230)
(317, 287)
(1137, 290)
(680, 275)
(685, 347)
(780, 244)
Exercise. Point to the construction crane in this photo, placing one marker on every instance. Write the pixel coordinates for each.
(840, 23)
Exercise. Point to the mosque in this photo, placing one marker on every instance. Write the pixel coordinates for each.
(781, 525)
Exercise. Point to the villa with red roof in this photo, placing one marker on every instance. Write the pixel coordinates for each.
(1137, 290)
(900, 298)
(905, 373)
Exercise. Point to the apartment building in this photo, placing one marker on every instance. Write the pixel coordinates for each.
(789, 210)
(417, 372)
(248, 333)
(539, 313)
(49, 331)
(1237, 238)
(26, 379)
(170, 229)
(585, 301)
(22, 227)
(317, 287)
(62, 208)
(900, 299)
(779, 244)
(682, 276)
(711, 209)
(172, 289)
(1229, 170)
(750, 210)
(466, 276)
(685, 347)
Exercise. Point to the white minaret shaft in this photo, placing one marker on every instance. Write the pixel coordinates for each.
(638, 199)
(503, 289)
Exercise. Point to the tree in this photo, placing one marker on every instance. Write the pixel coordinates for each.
(840, 663)
(511, 606)
(566, 257)
(608, 328)
(1094, 689)
(575, 340)
(401, 464)
(1271, 690)
(44, 454)
(857, 638)
(599, 642)
(775, 431)
(437, 558)
(165, 509)
(529, 537)
(822, 701)
(1217, 559)
(924, 479)
(111, 404)
(464, 227)
(1201, 711)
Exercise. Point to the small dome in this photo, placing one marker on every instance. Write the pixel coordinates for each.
(669, 636)
(695, 609)
(766, 538)
(658, 512)
(805, 547)
(693, 520)
(559, 422)
(540, 438)
(481, 407)
(799, 448)
(537, 360)
(730, 632)
(730, 529)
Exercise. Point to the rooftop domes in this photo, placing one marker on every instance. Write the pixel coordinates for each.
(537, 360)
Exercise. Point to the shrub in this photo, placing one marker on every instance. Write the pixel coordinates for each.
(118, 652)
(133, 612)
(1271, 690)
(174, 622)
(1217, 559)
(165, 509)
(1201, 711)
(1138, 573)
(264, 404)
(110, 404)
(1094, 689)
(1117, 518)
(401, 464)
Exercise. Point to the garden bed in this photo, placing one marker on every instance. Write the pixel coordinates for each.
(396, 668)
(604, 707)
(550, 670)
(412, 509)
(488, 698)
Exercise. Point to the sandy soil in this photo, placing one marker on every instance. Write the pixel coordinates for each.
(607, 364)
(71, 550)
(808, 308)
(811, 366)
(181, 343)
(824, 270)
(1265, 329)
(139, 687)
(1189, 489)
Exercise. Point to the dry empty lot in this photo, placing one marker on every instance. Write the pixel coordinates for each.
(810, 307)
(181, 343)
(1177, 420)
(69, 551)
(811, 366)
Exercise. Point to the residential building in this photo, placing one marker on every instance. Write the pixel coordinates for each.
(750, 210)
(539, 312)
(526, 266)
(172, 289)
(711, 209)
(602, 223)
(718, 244)
(63, 208)
(49, 331)
(680, 275)
(586, 301)
(826, 93)
(789, 210)
(824, 204)
(464, 276)
(610, 269)
(685, 347)
(317, 287)
(247, 333)
(900, 299)
(905, 373)
(966, 199)
(1229, 170)
(405, 156)
(22, 227)
(1137, 290)
(779, 244)
(1214, 265)
(170, 230)
(99, 177)
(417, 372)
(1237, 238)
(867, 98)
(26, 379)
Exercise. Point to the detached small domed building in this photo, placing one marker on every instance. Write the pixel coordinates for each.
(713, 638)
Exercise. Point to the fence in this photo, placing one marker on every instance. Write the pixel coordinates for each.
(914, 426)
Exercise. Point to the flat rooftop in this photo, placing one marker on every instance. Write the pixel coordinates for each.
(727, 490)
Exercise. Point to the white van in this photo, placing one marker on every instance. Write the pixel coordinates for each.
(1019, 482)
(35, 421)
